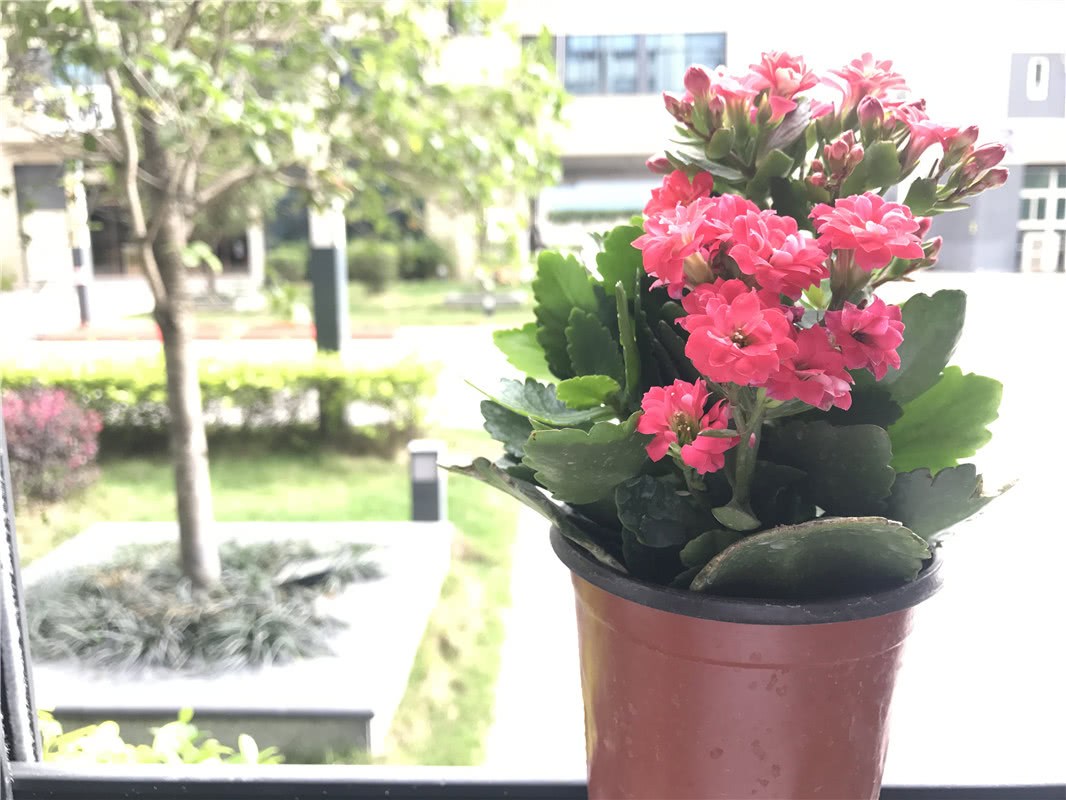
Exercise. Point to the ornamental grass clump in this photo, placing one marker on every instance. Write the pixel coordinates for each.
(724, 404)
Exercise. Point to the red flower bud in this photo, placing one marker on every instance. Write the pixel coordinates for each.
(992, 179)
(678, 108)
(964, 138)
(697, 81)
(659, 164)
(988, 155)
(871, 114)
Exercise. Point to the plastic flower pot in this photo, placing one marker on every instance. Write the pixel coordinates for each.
(694, 696)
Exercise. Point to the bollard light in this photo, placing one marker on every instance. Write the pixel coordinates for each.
(429, 485)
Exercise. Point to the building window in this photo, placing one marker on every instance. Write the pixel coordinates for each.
(1042, 218)
(636, 64)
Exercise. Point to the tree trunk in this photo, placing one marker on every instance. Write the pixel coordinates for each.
(188, 437)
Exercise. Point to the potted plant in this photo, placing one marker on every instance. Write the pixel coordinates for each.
(748, 458)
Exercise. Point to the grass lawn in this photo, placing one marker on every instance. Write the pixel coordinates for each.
(448, 706)
(403, 303)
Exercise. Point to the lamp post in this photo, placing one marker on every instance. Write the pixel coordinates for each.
(328, 268)
(429, 485)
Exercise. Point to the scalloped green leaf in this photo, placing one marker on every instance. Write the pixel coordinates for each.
(587, 391)
(823, 558)
(946, 423)
(538, 402)
(562, 284)
(932, 327)
(523, 351)
(879, 167)
(620, 260)
(592, 348)
(929, 504)
(775, 164)
(581, 467)
(659, 511)
(484, 470)
(847, 467)
(921, 197)
(506, 427)
(720, 144)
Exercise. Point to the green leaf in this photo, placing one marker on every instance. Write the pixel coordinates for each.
(561, 285)
(653, 564)
(522, 350)
(538, 402)
(262, 152)
(946, 423)
(659, 511)
(587, 391)
(879, 167)
(506, 427)
(775, 164)
(720, 144)
(790, 198)
(628, 335)
(620, 260)
(847, 467)
(706, 546)
(928, 505)
(484, 470)
(591, 347)
(932, 326)
(870, 405)
(823, 558)
(921, 197)
(581, 467)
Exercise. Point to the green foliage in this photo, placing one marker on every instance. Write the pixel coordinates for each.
(588, 391)
(373, 263)
(421, 259)
(929, 504)
(854, 555)
(562, 286)
(946, 423)
(879, 168)
(620, 261)
(177, 742)
(296, 405)
(287, 261)
(592, 348)
(933, 326)
(522, 350)
(507, 427)
(562, 459)
(538, 402)
(659, 511)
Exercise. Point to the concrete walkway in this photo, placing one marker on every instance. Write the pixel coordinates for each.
(539, 724)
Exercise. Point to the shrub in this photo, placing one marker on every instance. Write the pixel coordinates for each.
(138, 610)
(373, 263)
(420, 259)
(287, 261)
(288, 405)
(51, 440)
(177, 742)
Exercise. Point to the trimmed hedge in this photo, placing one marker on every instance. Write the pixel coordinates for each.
(373, 263)
(299, 405)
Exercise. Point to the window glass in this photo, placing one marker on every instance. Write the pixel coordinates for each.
(705, 48)
(620, 57)
(1037, 177)
(582, 70)
(665, 60)
(1041, 208)
(1024, 212)
(1060, 209)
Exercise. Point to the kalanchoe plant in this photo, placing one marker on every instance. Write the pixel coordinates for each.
(725, 406)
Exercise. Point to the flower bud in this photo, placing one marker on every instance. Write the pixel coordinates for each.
(697, 81)
(962, 139)
(988, 156)
(659, 164)
(924, 224)
(871, 117)
(678, 108)
(992, 179)
(932, 252)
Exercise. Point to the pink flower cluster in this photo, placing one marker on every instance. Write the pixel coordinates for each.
(688, 243)
(677, 415)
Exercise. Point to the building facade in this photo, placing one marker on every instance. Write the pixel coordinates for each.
(998, 65)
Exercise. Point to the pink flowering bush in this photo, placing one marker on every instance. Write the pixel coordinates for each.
(51, 441)
(726, 398)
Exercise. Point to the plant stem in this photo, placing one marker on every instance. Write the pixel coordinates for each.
(748, 450)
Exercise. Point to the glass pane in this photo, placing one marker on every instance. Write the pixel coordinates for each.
(1060, 177)
(1024, 212)
(1060, 209)
(665, 55)
(1041, 208)
(705, 48)
(582, 71)
(1037, 177)
(620, 53)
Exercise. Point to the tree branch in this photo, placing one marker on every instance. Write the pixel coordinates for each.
(130, 162)
(190, 17)
(225, 182)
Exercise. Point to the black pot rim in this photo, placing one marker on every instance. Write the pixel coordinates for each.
(748, 611)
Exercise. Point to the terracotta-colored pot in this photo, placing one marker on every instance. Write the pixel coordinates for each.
(693, 696)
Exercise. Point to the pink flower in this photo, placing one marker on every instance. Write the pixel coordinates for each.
(740, 340)
(866, 77)
(672, 414)
(678, 188)
(821, 109)
(659, 164)
(670, 238)
(784, 76)
(697, 81)
(708, 296)
(867, 337)
(874, 228)
(795, 264)
(707, 453)
(816, 374)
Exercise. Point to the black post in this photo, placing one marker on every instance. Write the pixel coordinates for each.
(328, 269)
(81, 286)
(429, 485)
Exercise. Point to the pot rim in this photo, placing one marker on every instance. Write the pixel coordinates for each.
(743, 610)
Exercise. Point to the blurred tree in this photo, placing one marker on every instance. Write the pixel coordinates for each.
(208, 99)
